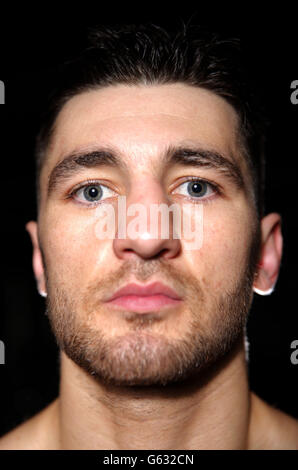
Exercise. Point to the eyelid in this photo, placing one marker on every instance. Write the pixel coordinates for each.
(214, 186)
(71, 194)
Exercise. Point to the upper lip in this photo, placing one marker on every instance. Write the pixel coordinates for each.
(146, 290)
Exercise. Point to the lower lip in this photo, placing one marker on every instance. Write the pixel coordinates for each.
(142, 304)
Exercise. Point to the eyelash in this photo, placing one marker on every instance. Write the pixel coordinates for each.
(86, 184)
(215, 188)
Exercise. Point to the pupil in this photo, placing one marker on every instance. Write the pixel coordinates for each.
(93, 192)
(197, 188)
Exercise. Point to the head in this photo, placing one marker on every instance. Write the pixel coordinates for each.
(159, 118)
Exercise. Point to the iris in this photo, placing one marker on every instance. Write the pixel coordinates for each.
(93, 193)
(197, 188)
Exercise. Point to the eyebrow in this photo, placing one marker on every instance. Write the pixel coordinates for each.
(205, 158)
(195, 157)
(74, 163)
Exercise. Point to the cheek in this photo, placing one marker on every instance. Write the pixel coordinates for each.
(222, 258)
(72, 249)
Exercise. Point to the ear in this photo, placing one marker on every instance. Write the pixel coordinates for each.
(271, 253)
(32, 229)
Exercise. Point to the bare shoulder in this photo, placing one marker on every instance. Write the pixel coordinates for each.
(33, 434)
(271, 428)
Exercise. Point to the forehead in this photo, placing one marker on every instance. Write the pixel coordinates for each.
(141, 120)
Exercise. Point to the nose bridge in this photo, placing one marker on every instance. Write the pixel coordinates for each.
(146, 233)
(149, 198)
(148, 190)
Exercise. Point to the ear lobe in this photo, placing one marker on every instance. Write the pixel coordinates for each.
(32, 229)
(271, 254)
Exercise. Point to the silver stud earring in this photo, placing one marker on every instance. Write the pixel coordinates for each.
(42, 292)
(264, 292)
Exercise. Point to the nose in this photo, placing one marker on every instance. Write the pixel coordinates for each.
(144, 234)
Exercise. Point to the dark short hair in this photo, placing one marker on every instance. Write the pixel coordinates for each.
(150, 54)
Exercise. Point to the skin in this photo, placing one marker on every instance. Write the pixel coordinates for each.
(217, 409)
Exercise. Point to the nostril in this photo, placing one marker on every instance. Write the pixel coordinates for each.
(153, 248)
(160, 253)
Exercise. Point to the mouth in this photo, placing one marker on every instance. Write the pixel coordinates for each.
(142, 299)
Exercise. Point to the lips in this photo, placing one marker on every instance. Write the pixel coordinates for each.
(137, 298)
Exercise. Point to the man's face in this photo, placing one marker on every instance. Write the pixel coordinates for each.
(140, 125)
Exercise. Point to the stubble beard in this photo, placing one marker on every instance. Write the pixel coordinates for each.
(141, 357)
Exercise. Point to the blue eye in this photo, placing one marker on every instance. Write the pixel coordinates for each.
(92, 193)
(196, 188)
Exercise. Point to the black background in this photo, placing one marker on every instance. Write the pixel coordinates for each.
(32, 41)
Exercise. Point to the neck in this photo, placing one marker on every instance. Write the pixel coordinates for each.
(212, 412)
